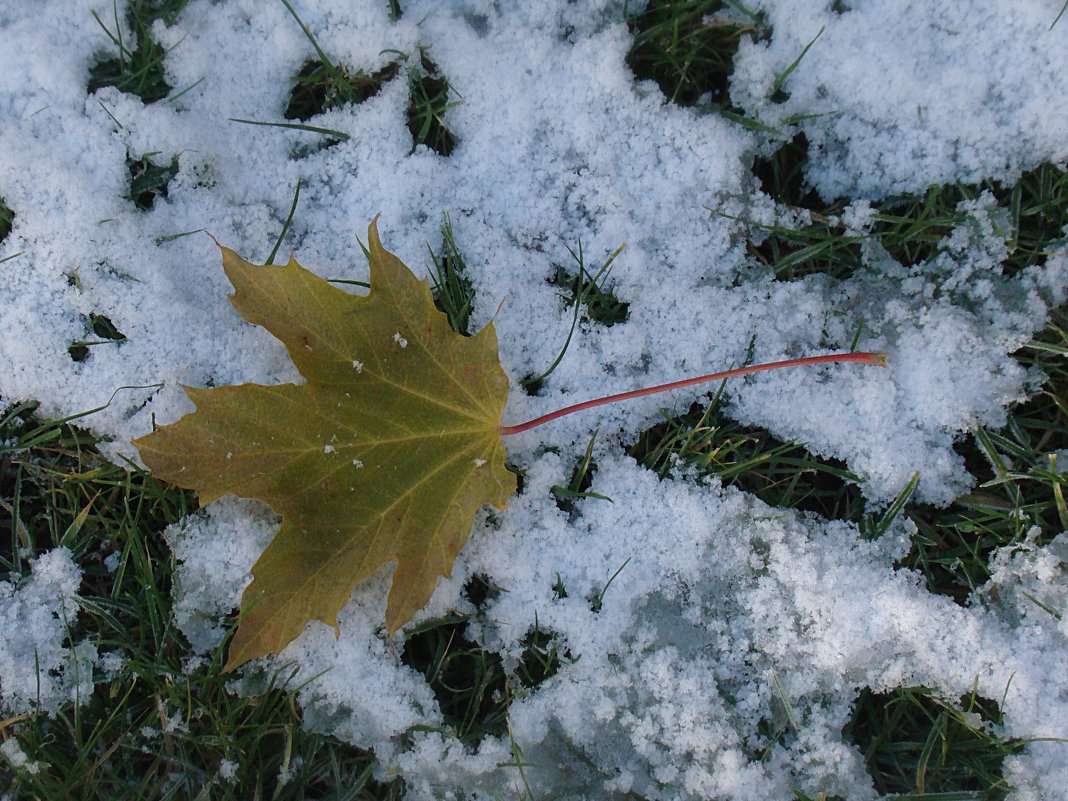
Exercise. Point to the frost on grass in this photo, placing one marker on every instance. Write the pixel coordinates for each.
(942, 362)
(228, 770)
(17, 758)
(676, 689)
(40, 670)
(1028, 590)
(902, 95)
(1029, 584)
(723, 661)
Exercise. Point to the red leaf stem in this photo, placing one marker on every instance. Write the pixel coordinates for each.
(878, 359)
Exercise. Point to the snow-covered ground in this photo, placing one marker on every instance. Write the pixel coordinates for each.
(725, 604)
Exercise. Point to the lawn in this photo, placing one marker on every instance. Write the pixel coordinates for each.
(834, 582)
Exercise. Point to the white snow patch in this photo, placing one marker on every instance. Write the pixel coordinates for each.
(17, 759)
(228, 770)
(38, 669)
(216, 548)
(908, 94)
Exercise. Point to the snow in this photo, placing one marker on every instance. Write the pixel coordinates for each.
(724, 606)
(228, 770)
(39, 670)
(962, 94)
(10, 750)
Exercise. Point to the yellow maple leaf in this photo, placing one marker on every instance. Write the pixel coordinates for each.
(384, 454)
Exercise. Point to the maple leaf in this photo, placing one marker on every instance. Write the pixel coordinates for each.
(384, 454)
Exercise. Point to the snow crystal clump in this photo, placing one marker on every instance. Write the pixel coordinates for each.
(1028, 590)
(216, 549)
(228, 770)
(901, 95)
(16, 757)
(38, 670)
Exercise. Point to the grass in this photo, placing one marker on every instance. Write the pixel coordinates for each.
(149, 180)
(429, 98)
(780, 473)
(920, 744)
(103, 331)
(165, 726)
(323, 84)
(587, 290)
(1020, 486)
(579, 485)
(135, 67)
(161, 726)
(688, 47)
(470, 683)
(915, 742)
(318, 88)
(7, 219)
(583, 292)
(452, 289)
(911, 228)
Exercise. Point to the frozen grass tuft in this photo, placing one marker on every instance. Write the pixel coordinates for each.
(322, 85)
(318, 88)
(149, 179)
(1023, 481)
(450, 285)
(430, 98)
(917, 743)
(100, 331)
(707, 442)
(135, 66)
(910, 229)
(688, 47)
